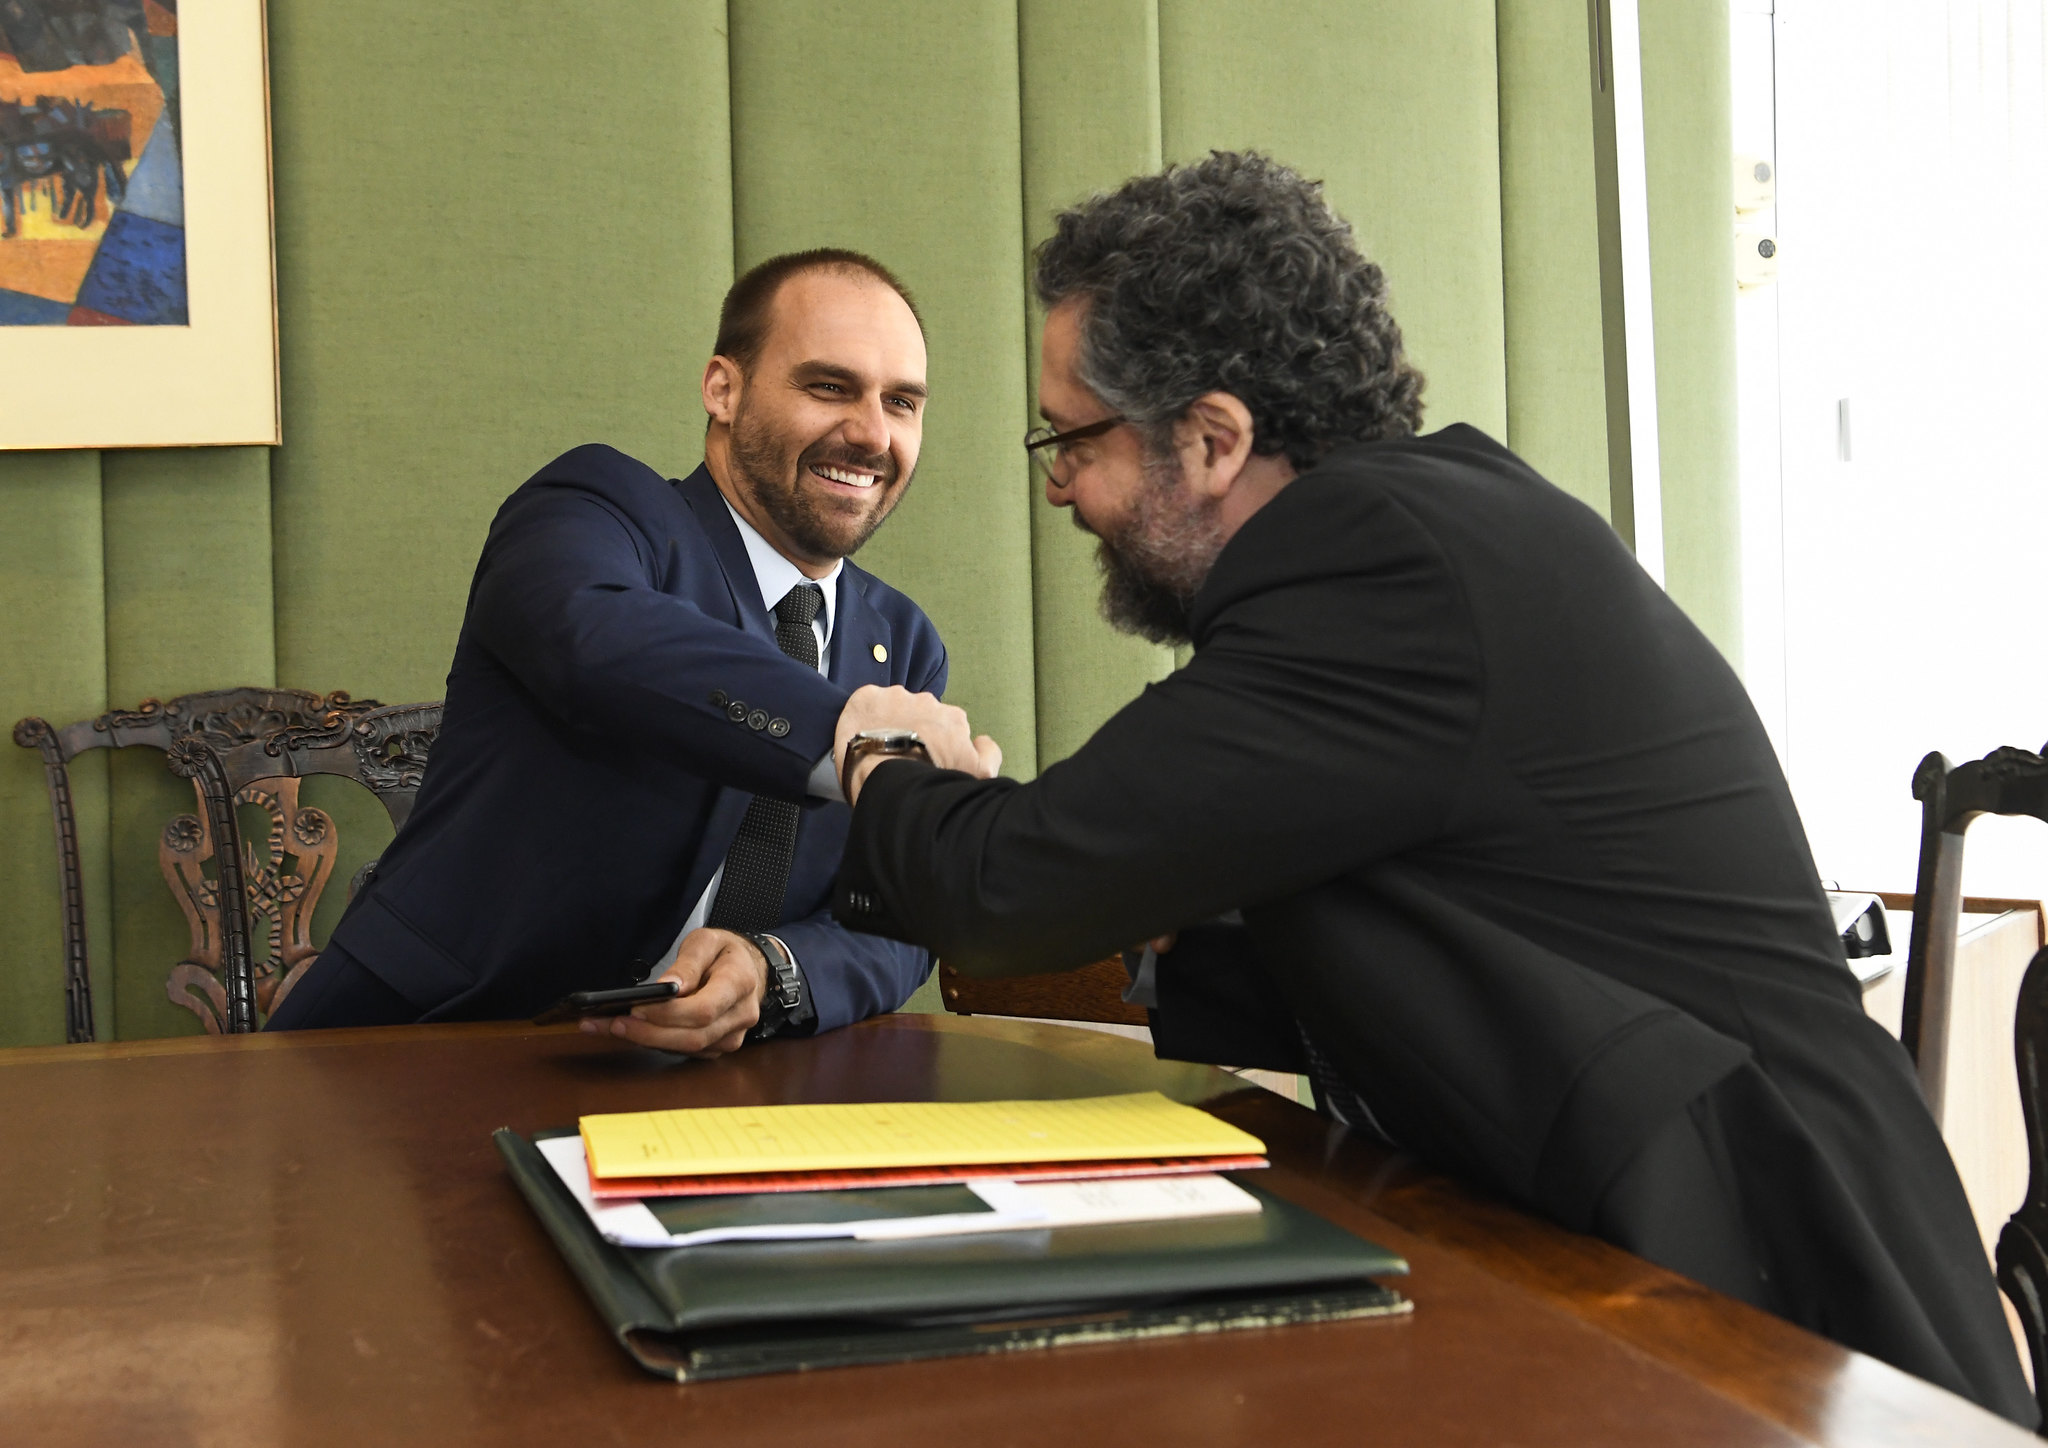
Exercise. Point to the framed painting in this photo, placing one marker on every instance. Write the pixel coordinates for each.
(137, 280)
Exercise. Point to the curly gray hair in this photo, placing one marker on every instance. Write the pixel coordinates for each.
(1232, 275)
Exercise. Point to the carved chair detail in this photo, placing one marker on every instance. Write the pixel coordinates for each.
(384, 749)
(282, 878)
(188, 729)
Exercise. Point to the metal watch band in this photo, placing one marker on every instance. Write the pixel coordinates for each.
(784, 997)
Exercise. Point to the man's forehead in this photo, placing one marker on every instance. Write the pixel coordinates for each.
(816, 306)
(1062, 396)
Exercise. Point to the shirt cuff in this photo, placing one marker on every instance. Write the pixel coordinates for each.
(824, 781)
(1143, 989)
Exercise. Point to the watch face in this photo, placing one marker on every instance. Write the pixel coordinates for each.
(890, 738)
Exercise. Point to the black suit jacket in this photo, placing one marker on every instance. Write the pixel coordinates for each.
(1508, 839)
(616, 699)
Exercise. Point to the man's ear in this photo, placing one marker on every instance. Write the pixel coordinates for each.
(723, 384)
(1215, 438)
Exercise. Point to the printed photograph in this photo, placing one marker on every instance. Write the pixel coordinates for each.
(92, 203)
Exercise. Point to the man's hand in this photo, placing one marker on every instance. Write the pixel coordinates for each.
(722, 977)
(943, 728)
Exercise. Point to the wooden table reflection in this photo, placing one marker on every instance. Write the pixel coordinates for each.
(310, 1240)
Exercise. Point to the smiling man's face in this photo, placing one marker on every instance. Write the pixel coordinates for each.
(826, 423)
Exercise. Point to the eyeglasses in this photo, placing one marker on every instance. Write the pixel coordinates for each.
(1047, 448)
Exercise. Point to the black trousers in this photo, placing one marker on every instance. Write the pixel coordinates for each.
(1733, 1193)
(1676, 1203)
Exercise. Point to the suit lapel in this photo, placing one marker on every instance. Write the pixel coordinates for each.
(708, 505)
(856, 633)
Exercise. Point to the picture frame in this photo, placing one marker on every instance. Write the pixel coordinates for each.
(138, 299)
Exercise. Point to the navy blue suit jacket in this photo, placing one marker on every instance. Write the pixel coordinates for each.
(590, 775)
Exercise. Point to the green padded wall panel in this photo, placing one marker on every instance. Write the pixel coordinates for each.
(1550, 246)
(1091, 121)
(896, 133)
(189, 607)
(503, 229)
(53, 663)
(1394, 106)
(1690, 171)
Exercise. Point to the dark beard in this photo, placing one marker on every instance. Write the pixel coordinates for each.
(774, 480)
(1153, 565)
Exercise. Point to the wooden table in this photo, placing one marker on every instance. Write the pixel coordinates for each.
(310, 1240)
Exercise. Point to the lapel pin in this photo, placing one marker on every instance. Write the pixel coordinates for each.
(881, 654)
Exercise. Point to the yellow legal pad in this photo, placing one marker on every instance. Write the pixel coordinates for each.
(711, 1140)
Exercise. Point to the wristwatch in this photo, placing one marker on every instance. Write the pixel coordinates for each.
(888, 742)
(786, 1004)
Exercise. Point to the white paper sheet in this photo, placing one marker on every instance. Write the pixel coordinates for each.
(1015, 1206)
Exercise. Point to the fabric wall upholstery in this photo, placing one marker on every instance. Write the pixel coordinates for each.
(1550, 248)
(504, 227)
(1691, 176)
(53, 588)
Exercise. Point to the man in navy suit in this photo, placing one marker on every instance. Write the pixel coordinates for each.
(642, 702)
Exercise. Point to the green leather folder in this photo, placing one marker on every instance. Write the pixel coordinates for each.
(736, 1309)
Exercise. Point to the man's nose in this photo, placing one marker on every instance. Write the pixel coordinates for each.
(868, 427)
(1057, 493)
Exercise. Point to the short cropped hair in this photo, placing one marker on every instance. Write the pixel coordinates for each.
(743, 320)
(1232, 275)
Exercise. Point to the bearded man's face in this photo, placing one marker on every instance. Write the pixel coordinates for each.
(802, 484)
(828, 418)
(1156, 555)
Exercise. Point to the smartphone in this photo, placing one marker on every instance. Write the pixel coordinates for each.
(578, 1004)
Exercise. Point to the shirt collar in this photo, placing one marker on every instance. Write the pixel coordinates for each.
(776, 575)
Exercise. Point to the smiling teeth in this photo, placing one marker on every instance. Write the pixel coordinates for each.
(852, 480)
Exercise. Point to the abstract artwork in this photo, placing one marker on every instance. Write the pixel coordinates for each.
(92, 186)
(135, 225)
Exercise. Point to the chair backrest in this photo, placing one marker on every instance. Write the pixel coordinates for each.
(221, 719)
(2021, 1258)
(1091, 993)
(384, 749)
(2005, 782)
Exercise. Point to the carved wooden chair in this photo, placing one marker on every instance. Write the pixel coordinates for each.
(1091, 993)
(287, 878)
(2004, 782)
(382, 748)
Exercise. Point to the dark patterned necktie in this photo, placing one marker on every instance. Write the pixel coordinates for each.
(757, 865)
(1337, 1098)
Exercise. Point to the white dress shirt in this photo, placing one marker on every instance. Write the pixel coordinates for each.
(776, 576)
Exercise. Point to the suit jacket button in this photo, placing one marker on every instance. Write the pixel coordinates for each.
(718, 700)
(736, 711)
(777, 728)
(758, 719)
(881, 654)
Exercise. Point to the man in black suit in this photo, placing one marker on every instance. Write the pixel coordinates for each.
(634, 770)
(1453, 809)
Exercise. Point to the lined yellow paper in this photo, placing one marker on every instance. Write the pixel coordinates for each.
(716, 1139)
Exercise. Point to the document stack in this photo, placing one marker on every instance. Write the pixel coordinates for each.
(724, 1241)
